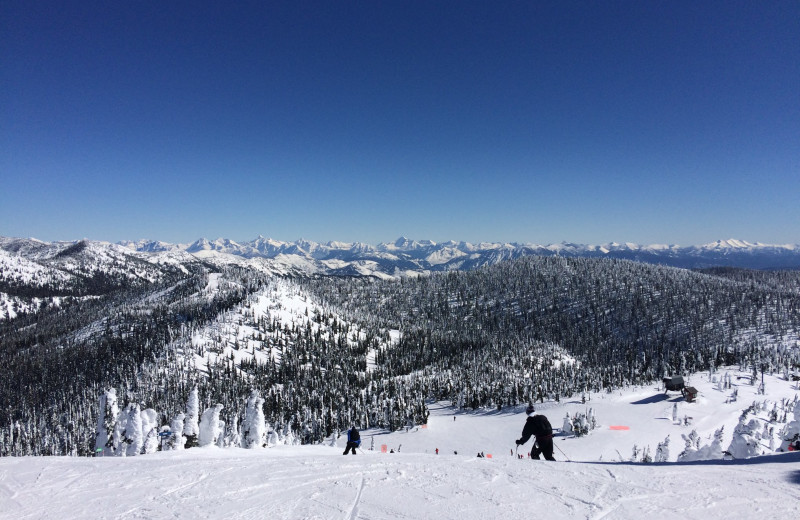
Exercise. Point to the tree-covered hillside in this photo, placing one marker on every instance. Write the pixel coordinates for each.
(329, 352)
(623, 322)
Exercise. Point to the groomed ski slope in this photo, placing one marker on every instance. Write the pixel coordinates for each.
(305, 482)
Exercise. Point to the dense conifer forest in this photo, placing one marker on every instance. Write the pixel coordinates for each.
(372, 352)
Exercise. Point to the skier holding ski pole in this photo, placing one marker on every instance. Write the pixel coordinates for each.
(538, 426)
(353, 440)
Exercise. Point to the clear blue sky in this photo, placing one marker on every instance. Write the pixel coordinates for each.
(528, 121)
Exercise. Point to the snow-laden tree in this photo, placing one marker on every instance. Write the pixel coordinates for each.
(109, 410)
(646, 457)
(134, 437)
(210, 429)
(333, 438)
(745, 439)
(274, 438)
(119, 440)
(254, 427)
(191, 428)
(176, 440)
(566, 427)
(149, 431)
(289, 438)
(694, 451)
(220, 442)
(690, 450)
(714, 450)
(662, 451)
(233, 437)
(791, 432)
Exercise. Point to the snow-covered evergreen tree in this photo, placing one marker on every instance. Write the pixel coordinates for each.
(635, 453)
(745, 439)
(109, 410)
(149, 431)
(254, 426)
(134, 437)
(273, 438)
(209, 426)
(221, 436)
(646, 458)
(120, 441)
(176, 440)
(191, 428)
(662, 451)
(289, 438)
(566, 427)
(791, 432)
(691, 448)
(233, 436)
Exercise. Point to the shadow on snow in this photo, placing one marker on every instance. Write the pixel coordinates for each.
(657, 399)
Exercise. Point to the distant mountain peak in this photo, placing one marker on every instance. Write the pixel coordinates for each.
(405, 256)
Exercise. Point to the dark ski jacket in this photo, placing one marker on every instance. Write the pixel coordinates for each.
(538, 426)
(353, 436)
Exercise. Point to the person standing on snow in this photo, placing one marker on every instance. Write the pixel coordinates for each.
(538, 426)
(353, 440)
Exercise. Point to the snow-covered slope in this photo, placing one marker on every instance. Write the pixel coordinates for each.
(403, 257)
(235, 335)
(288, 482)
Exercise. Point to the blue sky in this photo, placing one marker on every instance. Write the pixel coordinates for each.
(530, 121)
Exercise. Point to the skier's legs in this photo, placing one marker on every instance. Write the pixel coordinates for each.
(350, 446)
(535, 451)
(547, 449)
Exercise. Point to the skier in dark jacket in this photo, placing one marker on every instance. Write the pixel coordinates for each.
(538, 426)
(353, 440)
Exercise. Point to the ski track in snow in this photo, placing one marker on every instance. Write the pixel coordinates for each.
(314, 482)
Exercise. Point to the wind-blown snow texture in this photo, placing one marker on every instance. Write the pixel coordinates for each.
(290, 482)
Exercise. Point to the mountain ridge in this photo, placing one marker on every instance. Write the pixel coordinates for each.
(428, 255)
(403, 257)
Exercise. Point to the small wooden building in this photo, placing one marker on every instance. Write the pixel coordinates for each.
(690, 393)
(674, 384)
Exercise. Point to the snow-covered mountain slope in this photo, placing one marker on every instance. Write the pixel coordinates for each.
(403, 257)
(240, 335)
(29, 262)
(316, 481)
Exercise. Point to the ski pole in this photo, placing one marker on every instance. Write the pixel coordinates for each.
(562, 452)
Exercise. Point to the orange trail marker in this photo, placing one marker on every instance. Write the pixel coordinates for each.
(619, 427)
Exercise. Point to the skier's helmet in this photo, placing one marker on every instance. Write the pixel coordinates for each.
(530, 409)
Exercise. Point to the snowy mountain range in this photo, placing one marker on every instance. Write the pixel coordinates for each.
(405, 255)
(34, 263)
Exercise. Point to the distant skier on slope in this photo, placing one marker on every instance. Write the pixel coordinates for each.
(353, 440)
(538, 426)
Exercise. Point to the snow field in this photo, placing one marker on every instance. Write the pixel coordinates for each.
(317, 482)
(646, 411)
